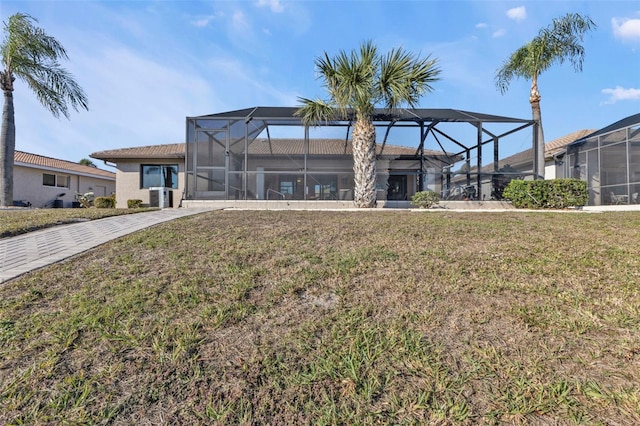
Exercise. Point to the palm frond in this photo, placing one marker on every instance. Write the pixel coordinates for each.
(560, 41)
(404, 78)
(31, 55)
(316, 112)
(521, 64)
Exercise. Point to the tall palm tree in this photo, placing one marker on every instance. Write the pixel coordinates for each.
(356, 84)
(560, 41)
(31, 55)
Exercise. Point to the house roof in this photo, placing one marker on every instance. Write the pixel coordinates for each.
(550, 148)
(40, 161)
(173, 150)
(401, 114)
(261, 146)
(327, 147)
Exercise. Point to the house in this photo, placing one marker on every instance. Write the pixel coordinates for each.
(232, 154)
(609, 161)
(40, 181)
(267, 153)
(140, 169)
(554, 152)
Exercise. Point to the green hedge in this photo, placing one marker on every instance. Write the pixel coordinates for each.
(547, 194)
(134, 204)
(105, 202)
(425, 199)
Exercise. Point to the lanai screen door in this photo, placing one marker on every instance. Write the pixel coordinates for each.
(211, 163)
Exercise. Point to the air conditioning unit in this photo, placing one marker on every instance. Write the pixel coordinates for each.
(160, 197)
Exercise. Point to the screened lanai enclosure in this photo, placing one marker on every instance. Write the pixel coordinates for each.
(266, 153)
(609, 161)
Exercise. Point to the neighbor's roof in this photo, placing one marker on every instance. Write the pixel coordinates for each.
(402, 114)
(261, 147)
(40, 161)
(550, 148)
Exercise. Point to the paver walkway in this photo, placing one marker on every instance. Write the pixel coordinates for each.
(24, 253)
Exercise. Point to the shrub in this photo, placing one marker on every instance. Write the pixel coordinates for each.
(105, 202)
(425, 199)
(134, 204)
(547, 194)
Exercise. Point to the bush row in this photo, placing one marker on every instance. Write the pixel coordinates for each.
(547, 194)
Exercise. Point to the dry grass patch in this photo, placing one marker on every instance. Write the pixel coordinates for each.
(20, 221)
(334, 318)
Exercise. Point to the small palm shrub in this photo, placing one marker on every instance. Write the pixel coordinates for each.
(85, 200)
(425, 199)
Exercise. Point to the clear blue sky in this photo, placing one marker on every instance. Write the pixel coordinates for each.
(146, 65)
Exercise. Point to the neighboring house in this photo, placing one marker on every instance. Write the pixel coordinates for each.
(140, 168)
(41, 181)
(609, 161)
(519, 165)
(522, 162)
(554, 152)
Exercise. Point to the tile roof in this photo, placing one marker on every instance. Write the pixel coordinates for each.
(550, 148)
(259, 147)
(173, 150)
(34, 160)
(325, 147)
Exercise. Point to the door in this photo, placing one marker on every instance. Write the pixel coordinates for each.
(397, 187)
(211, 150)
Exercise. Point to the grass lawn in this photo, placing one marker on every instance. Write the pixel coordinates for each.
(19, 221)
(334, 318)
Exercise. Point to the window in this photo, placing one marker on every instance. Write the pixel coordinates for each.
(165, 175)
(60, 181)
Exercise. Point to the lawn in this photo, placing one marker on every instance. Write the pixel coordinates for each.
(19, 221)
(235, 317)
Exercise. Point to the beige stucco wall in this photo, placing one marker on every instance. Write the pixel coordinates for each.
(128, 181)
(27, 186)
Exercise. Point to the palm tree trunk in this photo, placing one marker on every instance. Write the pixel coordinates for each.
(7, 150)
(538, 149)
(364, 163)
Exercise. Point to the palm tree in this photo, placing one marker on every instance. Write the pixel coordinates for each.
(87, 162)
(31, 55)
(560, 41)
(356, 83)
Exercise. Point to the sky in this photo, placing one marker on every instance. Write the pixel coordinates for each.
(147, 65)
